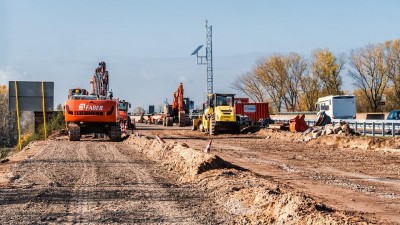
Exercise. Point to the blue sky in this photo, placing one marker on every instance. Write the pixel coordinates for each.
(147, 44)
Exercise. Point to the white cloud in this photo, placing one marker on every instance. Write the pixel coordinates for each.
(10, 73)
(182, 79)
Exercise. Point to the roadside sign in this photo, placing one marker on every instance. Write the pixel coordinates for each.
(31, 95)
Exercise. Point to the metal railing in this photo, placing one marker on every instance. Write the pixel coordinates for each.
(298, 113)
(365, 127)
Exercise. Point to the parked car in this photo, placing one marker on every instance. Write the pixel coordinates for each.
(394, 115)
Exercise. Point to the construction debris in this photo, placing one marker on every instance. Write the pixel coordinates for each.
(341, 128)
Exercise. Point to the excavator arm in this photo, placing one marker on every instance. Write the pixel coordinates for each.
(178, 104)
(177, 110)
(99, 82)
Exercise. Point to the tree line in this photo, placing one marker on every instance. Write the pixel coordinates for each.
(8, 121)
(9, 126)
(291, 82)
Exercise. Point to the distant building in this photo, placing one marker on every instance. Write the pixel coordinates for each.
(151, 109)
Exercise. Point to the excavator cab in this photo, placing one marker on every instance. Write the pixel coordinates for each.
(77, 92)
(124, 106)
(124, 119)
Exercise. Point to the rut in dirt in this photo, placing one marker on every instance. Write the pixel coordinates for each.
(98, 182)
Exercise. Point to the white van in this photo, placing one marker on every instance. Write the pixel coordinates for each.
(338, 106)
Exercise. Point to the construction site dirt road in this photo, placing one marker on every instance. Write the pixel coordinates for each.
(96, 182)
(256, 178)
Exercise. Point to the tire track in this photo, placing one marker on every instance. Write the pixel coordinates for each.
(96, 182)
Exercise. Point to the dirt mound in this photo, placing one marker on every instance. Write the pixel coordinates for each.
(259, 201)
(339, 141)
(280, 135)
(179, 157)
(367, 143)
(248, 197)
(15, 157)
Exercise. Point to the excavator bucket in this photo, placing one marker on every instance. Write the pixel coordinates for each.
(323, 119)
(298, 124)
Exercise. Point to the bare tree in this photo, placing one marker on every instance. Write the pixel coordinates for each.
(392, 60)
(370, 73)
(248, 84)
(326, 67)
(8, 121)
(310, 92)
(159, 108)
(138, 111)
(272, 74)
(277, 77)
(296, 67)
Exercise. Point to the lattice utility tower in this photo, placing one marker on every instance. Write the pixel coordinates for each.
(207, 59)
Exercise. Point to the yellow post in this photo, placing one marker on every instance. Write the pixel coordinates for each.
(44, 111)
(17, 108)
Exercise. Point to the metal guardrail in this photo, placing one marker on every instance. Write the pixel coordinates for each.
(298, 113)
(365, 127)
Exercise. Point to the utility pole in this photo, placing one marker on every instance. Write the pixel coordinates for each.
(207, 59)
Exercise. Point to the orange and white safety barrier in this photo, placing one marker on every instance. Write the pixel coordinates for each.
(160, 139)
(208, 148)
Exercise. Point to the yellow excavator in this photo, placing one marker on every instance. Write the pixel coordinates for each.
(219, 115)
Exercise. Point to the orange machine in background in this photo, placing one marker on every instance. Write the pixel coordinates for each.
(178, 112)
(124, 119)
(96, 112)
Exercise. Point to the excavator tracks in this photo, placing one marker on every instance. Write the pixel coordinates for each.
(182, 119)
(115, 133)
(74, 132)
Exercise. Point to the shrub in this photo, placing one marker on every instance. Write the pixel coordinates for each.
(56, 123)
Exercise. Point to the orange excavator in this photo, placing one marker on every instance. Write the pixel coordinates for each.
(124, 119)
(178, 112)
(94, 112)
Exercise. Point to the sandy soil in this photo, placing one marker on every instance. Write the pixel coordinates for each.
(352, 174)
(99, 183)
(266, 177)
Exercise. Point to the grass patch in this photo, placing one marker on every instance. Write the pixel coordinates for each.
(4, 152)
(56, 123)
